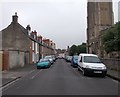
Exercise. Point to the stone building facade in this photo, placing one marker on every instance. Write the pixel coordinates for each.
(20, 46)
(15, 45)
(100, 17)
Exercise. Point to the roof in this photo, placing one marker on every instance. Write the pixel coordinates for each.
(23, 30)
(85, 54)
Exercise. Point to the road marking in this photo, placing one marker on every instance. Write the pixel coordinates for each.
(36, 74)
(8, 86)
(115, 81)
(32, 71)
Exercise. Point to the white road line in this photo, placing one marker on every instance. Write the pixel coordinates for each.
(32, 71)
(36, 74)
(115, 81)
(8, 86)
(11, 83)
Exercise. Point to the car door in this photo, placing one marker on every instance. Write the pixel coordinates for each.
(80, 61)
(81, 64)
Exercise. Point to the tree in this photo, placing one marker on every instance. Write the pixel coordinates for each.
(111, 38)
(73, 50)
(82, 48)
(77, 49)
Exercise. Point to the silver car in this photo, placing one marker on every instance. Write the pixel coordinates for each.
(50, 58)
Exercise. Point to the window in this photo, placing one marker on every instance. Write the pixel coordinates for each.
(33, 56)
(32, 45)
(81, 59)
(34, 36)
(36, 47)
(91, 59)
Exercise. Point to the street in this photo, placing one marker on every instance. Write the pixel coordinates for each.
(61, 79)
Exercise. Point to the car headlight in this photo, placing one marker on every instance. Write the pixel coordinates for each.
(104, 67)
(87, 66)
(91, 67)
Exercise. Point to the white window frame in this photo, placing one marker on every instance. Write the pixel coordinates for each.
(32, 45)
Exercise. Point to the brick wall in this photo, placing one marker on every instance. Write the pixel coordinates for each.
(5, 60)
(1, 62)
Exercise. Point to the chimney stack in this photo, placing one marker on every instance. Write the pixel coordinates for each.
(15, 18)
(28, 28)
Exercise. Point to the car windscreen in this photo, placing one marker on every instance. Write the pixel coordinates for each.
(43, 60)
(91, 59)
(48, 57)
(76, 57)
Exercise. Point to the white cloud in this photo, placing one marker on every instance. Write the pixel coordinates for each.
(63, 21)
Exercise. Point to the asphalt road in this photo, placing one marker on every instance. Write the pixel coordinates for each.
(61, 79)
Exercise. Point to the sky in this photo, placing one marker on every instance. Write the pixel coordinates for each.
(62, 21)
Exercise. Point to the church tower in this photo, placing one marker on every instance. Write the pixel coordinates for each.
(99, 17)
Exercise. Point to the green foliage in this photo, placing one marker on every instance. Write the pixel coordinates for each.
(82, 48)
(73, 50)
(78, 49)
(111, 38)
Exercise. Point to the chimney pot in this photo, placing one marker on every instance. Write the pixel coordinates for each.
(15, 18)
(15, 13)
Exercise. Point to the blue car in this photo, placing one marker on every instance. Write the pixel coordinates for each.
(43, 63)
(74, 61)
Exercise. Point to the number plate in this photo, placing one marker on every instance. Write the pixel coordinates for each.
(97, 71)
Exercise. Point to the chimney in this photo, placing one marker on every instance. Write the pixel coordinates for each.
(15, 18)
(28, 28)
(40, 38)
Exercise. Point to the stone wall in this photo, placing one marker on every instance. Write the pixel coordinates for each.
(113, 64)
(16, 59)
(13, 59)
(14, 38)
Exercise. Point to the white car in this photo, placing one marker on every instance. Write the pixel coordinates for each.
(91, 64)
(50, 58)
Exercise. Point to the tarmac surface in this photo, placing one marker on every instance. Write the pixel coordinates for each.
(18, 73)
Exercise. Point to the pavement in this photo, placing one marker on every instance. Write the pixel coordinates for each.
(14, 74)
(113, 74)
(11, 75)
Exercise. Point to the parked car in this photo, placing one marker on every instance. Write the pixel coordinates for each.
(50, 58)
(43, 63)
(68, 58)
(91, 64)
(74, 61)
(53, 57)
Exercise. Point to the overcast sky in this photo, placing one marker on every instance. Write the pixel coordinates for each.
(63, 21)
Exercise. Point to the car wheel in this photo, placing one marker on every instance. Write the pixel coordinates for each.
(78, 69)
(104, 75)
